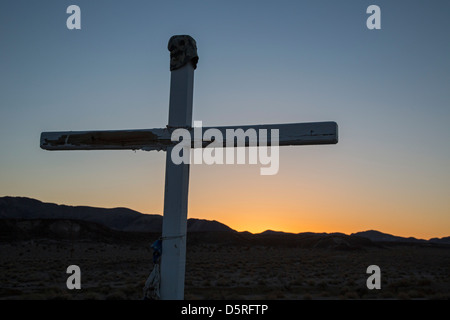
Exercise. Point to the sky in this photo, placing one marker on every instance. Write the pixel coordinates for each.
(259, 62)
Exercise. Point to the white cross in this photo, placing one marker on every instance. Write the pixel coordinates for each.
(183, 54)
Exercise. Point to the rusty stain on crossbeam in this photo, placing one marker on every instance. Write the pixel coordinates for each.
(155, 139)
(160, 139)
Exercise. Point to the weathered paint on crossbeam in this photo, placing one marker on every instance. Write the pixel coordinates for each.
(291, 134)
(157, 139)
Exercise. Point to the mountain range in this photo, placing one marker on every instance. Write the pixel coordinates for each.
(121, 219)
(127, 220)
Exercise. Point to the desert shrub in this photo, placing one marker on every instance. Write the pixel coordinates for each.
(222, 282)
(351, 295)
(297, 281)
(311, 282)
(61, 296)
(399, 284)
(403, 296)
(324, 294)
(323, 285)
(36, 296)
(276, 294)
(206, 283)
(440, 296)
(116, 295)
(92, 296)
(424, 282)
(132, 289)
(385, 294)
(416, 294)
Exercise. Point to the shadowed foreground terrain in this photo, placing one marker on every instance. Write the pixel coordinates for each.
(220, 265)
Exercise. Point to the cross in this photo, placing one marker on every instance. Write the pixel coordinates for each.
(183, 62)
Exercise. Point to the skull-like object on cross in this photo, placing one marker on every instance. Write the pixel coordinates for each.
(183, 49)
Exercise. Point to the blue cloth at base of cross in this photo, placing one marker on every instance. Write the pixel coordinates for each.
(157, 250)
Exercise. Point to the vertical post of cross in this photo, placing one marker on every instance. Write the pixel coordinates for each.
(183, 61)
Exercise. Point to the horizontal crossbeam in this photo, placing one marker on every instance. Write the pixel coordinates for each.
(292, 134)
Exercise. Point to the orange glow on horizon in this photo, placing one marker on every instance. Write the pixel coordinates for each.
(259, 217)
(325, 197)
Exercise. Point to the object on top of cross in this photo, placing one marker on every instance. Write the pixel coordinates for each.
(183, 49)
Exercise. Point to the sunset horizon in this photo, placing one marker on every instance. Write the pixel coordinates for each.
(277, 227)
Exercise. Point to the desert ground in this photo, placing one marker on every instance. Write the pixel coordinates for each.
(36, 269)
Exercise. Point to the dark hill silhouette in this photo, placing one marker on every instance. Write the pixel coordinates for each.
(377, 236)
(25, 218)
(121, 219)
(338, 241)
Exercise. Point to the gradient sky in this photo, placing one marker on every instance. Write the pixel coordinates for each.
(260, 62)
